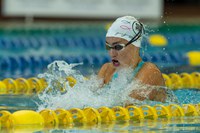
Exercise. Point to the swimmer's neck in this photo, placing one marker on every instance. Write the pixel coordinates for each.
(135, 63)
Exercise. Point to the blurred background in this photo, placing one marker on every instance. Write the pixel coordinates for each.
(34, 33)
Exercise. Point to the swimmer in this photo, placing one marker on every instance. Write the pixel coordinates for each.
(123, 42)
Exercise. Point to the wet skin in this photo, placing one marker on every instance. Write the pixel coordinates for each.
(149, 74)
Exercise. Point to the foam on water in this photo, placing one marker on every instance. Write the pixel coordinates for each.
(88, 92)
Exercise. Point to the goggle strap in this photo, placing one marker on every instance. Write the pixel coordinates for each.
(137, 36)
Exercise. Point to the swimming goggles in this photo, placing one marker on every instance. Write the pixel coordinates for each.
(119, 47)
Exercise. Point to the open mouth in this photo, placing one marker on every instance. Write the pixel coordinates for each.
(115, 62)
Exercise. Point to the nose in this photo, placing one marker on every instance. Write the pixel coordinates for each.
(113, 53)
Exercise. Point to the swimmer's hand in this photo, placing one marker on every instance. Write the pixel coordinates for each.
(158, 95)
(151, 94)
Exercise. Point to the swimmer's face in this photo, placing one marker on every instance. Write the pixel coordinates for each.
(121, 55)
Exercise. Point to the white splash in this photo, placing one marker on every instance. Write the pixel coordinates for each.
(86, 92)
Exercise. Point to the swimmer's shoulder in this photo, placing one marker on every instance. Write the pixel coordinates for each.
(106, 68)
(150, 74)
(150, 66)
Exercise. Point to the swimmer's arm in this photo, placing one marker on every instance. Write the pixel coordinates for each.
(101, 73)
(152, 76)
(104, 73)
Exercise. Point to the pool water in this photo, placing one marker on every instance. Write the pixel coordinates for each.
(80, 108)
(26, 52)
(189, 124)
(13, 103)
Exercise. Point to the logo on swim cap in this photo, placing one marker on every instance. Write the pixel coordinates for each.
(126, 27)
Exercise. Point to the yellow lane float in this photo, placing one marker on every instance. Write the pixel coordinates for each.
(28, 120)
(36, 85)
(157, 40)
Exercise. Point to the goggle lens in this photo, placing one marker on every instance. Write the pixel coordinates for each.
(117, 47)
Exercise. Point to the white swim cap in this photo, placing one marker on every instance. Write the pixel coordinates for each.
(127, 27)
